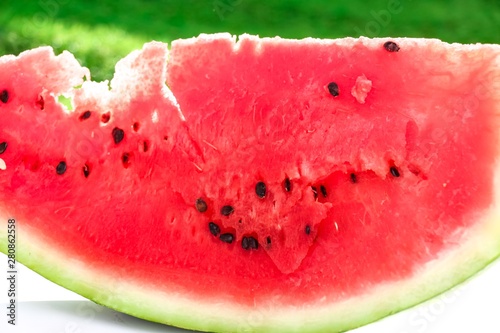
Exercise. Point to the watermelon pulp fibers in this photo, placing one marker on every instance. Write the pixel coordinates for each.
(298, 180)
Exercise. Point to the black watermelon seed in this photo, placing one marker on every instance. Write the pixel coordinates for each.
(287, 184)
(315, 191)
(145, 146)
(135, 126)
(394, 171)
(354, 179)
(125, 159)
(227, 210)
(268, 240)
(253, 243)
(105, 117)
(333, 88)
(322, 188)
(86, 170)
(391, 46)
(85, 115)
(244, 243)
(61, 168)
(4, 96)
(214, 229)
(260, 189)
(3, 147)
(308, 230)
(249, 243)
(201, 205)
(118, 135)
(227, 238)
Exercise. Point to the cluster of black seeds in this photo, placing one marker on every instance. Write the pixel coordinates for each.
(118, 136)
(249, 242)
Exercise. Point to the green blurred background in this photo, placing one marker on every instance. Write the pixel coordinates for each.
(101, 32)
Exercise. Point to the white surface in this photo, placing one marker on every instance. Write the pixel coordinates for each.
(43, 307)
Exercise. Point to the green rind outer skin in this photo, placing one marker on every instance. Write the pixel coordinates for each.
(60, 269)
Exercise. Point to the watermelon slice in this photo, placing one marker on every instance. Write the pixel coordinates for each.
(270, 184)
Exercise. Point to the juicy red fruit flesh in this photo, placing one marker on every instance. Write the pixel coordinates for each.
(384, 161)
(331, 192)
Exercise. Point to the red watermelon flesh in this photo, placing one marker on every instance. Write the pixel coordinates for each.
(321, 184)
